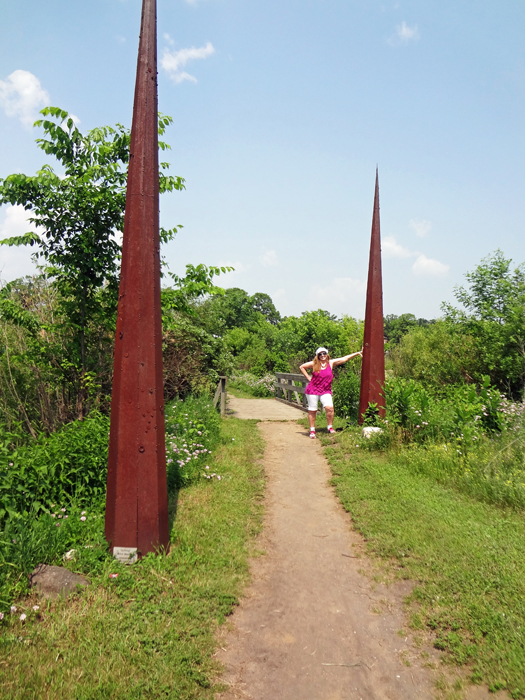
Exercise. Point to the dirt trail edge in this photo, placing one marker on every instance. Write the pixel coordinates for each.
(311, 627)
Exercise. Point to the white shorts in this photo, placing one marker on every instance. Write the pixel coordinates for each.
(326, 401)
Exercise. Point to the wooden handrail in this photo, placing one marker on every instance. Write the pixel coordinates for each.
(285, 386)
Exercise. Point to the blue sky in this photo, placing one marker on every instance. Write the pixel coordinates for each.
(282, 111)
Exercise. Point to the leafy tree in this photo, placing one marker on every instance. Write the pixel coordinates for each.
(494, 314)
(398, 326)
(263, 304)
(62, 337)
(78, 215)
(438, 355)
(197, 283)
(231, 310)
(299, 337)
(494, 291)
(237, 309)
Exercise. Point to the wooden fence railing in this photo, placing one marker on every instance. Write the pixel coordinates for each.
(290, 389)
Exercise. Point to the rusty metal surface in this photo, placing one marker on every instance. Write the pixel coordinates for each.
(373, 366)
(136, 502)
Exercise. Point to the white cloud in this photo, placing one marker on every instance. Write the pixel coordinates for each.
(340, 290)
(21, 95)
(420, 226)
(279, 295)
(174, 61)
(392, 249)
(15, 262)
(269, 259)
(406, 33)
(424, 266)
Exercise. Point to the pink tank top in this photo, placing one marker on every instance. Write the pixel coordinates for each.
(321, 382)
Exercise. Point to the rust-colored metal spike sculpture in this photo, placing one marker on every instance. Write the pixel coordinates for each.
(373, 367)
(136, 502)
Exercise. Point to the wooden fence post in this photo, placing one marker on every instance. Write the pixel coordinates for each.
(223, 396)
(220, 393)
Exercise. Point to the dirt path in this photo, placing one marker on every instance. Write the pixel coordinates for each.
(312, 627)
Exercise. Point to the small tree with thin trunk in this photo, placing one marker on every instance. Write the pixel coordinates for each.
(78, 215)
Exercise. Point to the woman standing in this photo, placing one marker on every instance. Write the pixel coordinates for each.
(320, 385)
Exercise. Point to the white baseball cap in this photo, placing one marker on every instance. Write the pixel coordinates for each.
(321, 350)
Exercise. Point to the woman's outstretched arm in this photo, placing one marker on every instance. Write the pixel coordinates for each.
(304, 367)
(342, 360)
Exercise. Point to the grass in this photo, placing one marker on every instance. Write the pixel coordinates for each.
(239, 393)
(467, 558)
(150, 632)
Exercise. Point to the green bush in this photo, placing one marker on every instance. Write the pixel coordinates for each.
(437, 355)
(463, 413)
(346, 388)
(69, 465)
(249, 383)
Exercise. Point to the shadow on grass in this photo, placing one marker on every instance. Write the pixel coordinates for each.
(173, 502)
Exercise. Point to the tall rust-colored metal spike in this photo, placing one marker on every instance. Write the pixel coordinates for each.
(136, 502)
(373, 366)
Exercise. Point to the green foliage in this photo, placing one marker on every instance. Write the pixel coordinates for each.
(236, 309)
(462, 413)
(192, 429)
(193, 358)
(371, 415)
(494, 314)
(58, 328)
(299, 337)
(197, 283)
(52, 491)
(486, 337)
(439, 355)
(263, 305)
(69, 465)
(398, 326)
(491, 471)
(44, 538)
(345, 389)
(261, 344)
(41, 385)
(78, 214)
(248, 383)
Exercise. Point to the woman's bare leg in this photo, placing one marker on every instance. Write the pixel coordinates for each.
(311, 418)
(329, 415)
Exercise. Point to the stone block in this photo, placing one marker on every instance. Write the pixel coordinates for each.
(55, 581)
(369, 431)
